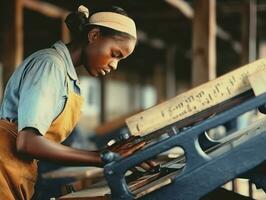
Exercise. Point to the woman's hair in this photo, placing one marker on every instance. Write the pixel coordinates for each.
(78, 24)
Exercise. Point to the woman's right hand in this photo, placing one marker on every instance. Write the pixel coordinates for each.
(130, 146)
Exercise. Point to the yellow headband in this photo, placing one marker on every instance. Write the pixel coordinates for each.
(111, 20)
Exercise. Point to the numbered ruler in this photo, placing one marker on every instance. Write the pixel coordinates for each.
(195, 100)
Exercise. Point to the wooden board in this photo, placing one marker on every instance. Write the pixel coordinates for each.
(195, 100)
(75, 172)
(88, 194)
(258, 82)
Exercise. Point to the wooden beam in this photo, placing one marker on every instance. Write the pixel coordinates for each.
(183, 6)
(249, 32)
(13, 39)
(45, 8)
(52, 11)
(188, 11)
(253, 30)
(204, 42)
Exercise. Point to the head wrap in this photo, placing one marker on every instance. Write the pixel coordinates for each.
(111, 20)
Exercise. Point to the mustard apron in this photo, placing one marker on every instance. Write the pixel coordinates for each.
(17, 174)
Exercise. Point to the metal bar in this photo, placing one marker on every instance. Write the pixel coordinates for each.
(187, 139)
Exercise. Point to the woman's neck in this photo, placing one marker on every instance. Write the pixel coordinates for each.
(75, 51)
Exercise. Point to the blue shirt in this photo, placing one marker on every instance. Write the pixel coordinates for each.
(37, 91)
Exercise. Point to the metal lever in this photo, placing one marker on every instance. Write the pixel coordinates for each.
(109, 156)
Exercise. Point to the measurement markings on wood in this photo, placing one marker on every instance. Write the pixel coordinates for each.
(194, 100)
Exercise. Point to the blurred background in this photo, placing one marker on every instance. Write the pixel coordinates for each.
(181, 44)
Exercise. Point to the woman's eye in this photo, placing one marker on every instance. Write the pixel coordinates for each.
(116, 54)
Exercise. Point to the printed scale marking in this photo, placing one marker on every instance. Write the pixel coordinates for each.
(195, 100)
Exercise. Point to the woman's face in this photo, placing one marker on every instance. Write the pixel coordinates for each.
(102, 54)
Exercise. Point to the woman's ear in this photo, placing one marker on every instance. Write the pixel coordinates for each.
(94, 35)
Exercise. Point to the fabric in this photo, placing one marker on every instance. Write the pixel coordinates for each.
(114, 21)
(33, 86)
(18, 173)
(111, 20)
(67, 120)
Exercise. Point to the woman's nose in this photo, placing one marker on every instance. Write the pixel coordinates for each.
(113, 64)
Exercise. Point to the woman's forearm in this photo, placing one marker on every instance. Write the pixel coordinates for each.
(31, 143)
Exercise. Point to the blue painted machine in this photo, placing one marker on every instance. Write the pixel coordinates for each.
(199, 170)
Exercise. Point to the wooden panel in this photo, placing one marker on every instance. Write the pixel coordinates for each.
(88, 194)
(258, 82)
(195, 100)
(76, 172)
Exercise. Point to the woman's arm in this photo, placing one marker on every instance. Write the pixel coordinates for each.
(30, 142)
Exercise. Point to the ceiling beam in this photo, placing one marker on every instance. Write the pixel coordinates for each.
(54, 11)
(183, 6)
(45, 8)
(188, 11)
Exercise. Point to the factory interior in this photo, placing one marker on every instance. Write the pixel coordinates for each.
(179, 117)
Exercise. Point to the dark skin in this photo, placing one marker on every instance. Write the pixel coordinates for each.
(99, 56)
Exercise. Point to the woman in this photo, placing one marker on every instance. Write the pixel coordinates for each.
(42, 101)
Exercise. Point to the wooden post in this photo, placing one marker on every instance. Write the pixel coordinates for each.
(245, 35)
(204, 42)
(253, 30)
(52, 11)
(185, 8)
(13, 38)
(249, 32)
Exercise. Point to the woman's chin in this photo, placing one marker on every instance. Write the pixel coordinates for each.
(92, 72)
(95, 74)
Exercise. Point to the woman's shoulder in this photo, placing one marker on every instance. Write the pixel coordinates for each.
(49, 55)
(43, 59)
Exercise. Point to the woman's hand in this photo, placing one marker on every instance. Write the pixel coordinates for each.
(130, 146)
(127, 147)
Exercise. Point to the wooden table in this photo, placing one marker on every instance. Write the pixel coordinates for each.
(101, 193)
(75, 172)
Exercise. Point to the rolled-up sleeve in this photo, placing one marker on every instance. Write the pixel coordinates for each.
(41, 95)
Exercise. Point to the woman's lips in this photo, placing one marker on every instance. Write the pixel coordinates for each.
(102, 72)
(105, 71)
